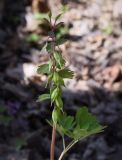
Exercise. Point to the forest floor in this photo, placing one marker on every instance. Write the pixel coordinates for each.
(93, 51)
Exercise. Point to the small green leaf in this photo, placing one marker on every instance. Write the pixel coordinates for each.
(59, 59)
(46, 20)
(57, 79)
(48, 47)
(60, 24)
(50, 77)
(55, 115)
(87, 122)
(43, 97)
(59, 102)
(61, 41)
(84, 125)
(79, 133)
(61, 31)
(58, 17)
(44, 68)
(55, 93)
(66, 73)
(82, 117)
(66, 123)
(50, 64)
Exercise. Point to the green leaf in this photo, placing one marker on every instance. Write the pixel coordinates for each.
(59, 59)
(66, 73)
(48, 47)
(66, 124)
(50, 64)
(61, 31)
(57, 79)
(82, 117)
(46, 20)
(43, 97)
(86, 120)
(87, 124)
(58, 17)
(59, 102)
(60, 41)
(79, 133)
(44, 68)
(55, 115)
(58, 25)
(50, 77)
(55, 93)
(84, 125)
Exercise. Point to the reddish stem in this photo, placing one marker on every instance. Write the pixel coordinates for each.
(52, 150)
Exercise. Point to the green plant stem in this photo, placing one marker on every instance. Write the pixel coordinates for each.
(52, 149)
(64, 146)
(67, 149)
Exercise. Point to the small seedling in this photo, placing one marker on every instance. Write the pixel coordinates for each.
(83, 124)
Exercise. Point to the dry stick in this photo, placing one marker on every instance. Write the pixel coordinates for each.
(52, 150)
